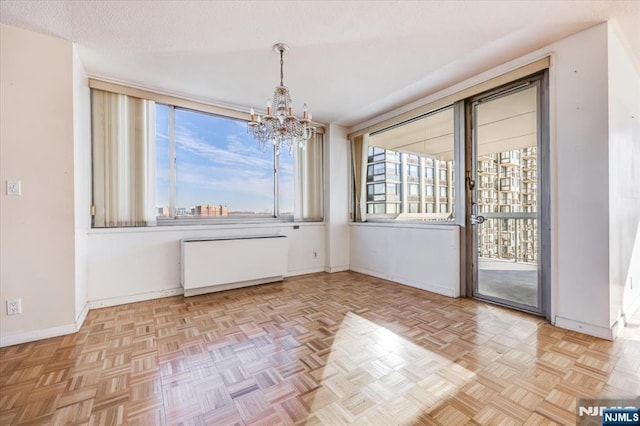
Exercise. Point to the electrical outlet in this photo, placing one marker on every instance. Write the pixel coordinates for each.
(14, 187)
(14, 307)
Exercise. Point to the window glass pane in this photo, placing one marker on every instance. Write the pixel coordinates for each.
(393, 170)
(162, 160)
(220, 169)
(429, 171)
(285, 183)
(426, 158)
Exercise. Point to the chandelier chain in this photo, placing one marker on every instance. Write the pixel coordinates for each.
(281, 68)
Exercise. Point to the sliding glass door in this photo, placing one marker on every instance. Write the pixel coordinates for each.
(506, 180)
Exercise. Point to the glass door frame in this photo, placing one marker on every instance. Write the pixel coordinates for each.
(543, 199)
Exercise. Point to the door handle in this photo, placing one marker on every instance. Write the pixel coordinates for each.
(477, 219)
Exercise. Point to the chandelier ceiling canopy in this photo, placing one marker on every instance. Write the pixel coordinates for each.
(279, 127)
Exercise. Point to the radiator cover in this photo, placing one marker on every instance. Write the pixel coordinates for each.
(216, 264)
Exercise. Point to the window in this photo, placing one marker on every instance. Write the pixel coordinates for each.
(194, 165)
(220, 170)
(429, 172)
(414, 154)
(393, 171)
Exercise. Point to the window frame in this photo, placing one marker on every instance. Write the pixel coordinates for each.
(174, 219)
(426, 167)
(174, 101)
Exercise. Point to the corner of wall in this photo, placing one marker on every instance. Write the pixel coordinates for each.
(37, 250)
(337, 200)
(82, 179)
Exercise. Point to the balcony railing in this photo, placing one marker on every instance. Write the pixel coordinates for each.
(509, 236)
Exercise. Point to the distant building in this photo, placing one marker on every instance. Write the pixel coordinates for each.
(402, 183)
(508, 185)
(209, 210)
(412, 187)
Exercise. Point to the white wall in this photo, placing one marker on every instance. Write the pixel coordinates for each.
(579, 152)
(36, 145)
(82, 186)
(422, 256)
(127, 265)
(624, 180)
(336, 175)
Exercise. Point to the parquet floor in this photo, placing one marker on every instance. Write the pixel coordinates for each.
(317, 349)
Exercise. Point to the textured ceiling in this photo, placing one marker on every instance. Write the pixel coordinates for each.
(349, 60)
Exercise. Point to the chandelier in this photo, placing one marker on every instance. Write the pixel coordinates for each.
(279, 127)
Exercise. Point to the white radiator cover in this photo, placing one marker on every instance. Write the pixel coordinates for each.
(218, 264)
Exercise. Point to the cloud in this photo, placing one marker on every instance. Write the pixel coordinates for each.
(187, 140)
(245, 183)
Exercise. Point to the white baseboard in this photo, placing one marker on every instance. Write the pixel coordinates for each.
(304, 271)
(332, 269)
(140, 297)
(230, 286)
(30, 336)
(46, 333)
(582, 327)
(82, 316)
(411, 283)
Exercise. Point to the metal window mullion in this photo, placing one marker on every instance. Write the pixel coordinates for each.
(276, 188)
(172, 162)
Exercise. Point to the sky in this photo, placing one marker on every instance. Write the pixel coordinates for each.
(218, 162)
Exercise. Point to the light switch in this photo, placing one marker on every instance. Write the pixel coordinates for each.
(14, 187)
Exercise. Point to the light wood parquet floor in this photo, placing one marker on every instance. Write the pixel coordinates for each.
(318, 349)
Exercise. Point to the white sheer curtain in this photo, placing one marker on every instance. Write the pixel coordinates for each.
(123, 160)
(308, 203)
(359, 149)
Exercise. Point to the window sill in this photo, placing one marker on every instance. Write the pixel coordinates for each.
(406, 224)
(277, 223)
